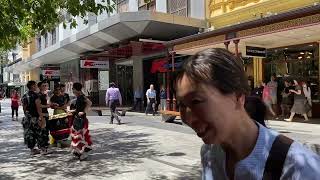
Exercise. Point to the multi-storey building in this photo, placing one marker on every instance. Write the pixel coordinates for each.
(114, 46)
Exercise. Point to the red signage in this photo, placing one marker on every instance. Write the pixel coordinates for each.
(94, 64)
(159, 66)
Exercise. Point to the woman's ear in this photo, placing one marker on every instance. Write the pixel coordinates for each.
(240, 101)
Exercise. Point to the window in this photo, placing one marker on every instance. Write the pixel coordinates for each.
(144, 6)
(46, 40)
(122, 6)
(54, 36)
(92, 19)
(178, 7)
(38, 39)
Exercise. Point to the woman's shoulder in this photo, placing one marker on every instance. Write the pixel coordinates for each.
(301, 162)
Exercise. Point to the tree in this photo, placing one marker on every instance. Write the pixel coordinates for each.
(3, 58)
(22, 19)
(148, 2)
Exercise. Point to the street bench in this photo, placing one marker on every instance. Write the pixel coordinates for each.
(169, 116)
(99, 110)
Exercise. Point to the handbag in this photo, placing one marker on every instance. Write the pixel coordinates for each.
(307, 105)
(78, 122)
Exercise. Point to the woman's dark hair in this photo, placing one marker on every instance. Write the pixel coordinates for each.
(62, 85)
(256, 109)
(30, 84)
(40, 84)
(219, 68)
(112, 84)
(77, 86)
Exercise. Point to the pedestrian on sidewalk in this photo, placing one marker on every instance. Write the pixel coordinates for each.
(287, 99)
(113, 100)
(43, 87)
(211, 89)
(138, 95)
(307, 92)
(15, 102)
(151, 95)
(81, 139)
(300, 105)
(163, 98)
(273, 87)
(33, 123)
(267, 99)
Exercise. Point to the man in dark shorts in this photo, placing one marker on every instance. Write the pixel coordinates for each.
(43, 86)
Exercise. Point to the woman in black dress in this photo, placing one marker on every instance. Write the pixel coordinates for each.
(81, 140)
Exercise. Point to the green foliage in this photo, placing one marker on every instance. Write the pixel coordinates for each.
(3, 57)
(22, 19)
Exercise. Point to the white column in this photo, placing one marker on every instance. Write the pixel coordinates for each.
(161, 6)
(133, 5)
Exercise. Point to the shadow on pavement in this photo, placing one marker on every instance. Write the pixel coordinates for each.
(112, 151)
(193, 174)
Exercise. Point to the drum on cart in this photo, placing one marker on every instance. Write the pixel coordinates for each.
(59, 126)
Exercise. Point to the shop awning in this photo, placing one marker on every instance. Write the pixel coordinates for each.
(304, 19)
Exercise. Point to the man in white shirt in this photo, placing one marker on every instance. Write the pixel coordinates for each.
(113, 99)
(151, 100)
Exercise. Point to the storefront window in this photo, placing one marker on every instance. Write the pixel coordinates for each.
(178, 7)
(147, 6)
(122, 6)
(295, 62)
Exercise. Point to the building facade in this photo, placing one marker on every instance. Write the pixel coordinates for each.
(272, 37)
(112, 46)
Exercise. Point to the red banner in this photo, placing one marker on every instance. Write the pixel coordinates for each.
(159, 66)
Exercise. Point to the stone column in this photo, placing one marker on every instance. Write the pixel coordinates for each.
(257, 70)
(168, 91)
(227, 44)
(236, 42)
(174, 101)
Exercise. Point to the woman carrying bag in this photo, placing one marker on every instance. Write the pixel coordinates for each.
(300, 105)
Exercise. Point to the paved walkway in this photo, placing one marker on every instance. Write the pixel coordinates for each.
(141, 148)
(130, 151)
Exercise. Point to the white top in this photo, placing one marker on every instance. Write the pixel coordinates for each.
(151, 93)
(301, 163)
(113, 94)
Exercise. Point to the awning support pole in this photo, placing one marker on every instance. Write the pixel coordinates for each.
(174, 101)
(236, 42)
(227, 44)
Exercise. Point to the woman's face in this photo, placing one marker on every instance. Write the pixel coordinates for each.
(56, 92)
(75, 92)
(44, 87)
(295, 82)
(206, 110)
